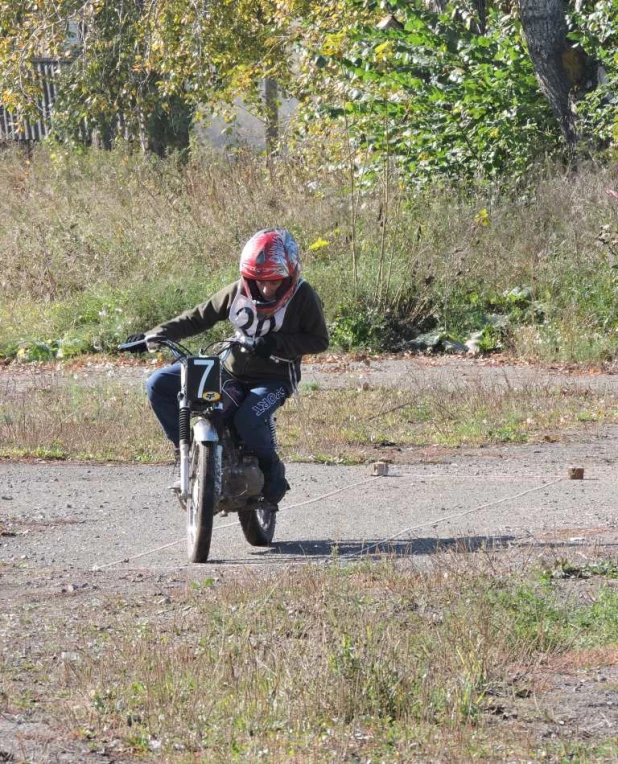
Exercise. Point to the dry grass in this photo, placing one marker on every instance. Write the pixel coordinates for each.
(66, 420)
(99, 218)
(112, 421)
(351, 425)
(368, 662)
(94, 247)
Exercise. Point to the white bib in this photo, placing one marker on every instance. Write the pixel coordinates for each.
(244, 317)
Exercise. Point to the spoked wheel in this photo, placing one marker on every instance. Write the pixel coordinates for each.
(205, 488)
(258, 525)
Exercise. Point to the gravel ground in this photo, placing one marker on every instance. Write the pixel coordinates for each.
(79, 516)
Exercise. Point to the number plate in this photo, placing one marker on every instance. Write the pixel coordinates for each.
(203, 380)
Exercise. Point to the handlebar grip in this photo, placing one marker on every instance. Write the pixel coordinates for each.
(138, 346)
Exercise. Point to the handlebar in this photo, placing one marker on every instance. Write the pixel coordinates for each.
(141, 346)
(180, 351)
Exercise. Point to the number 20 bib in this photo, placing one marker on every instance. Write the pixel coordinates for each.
(244, 317)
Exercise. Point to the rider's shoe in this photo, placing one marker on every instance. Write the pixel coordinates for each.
(275, 484)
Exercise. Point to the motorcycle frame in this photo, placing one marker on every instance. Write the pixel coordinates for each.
(202, 429)
(199, 402)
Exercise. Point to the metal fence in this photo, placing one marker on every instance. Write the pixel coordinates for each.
(13, 127)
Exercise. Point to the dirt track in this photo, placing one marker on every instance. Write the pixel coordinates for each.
(76, 517)
(81, 517)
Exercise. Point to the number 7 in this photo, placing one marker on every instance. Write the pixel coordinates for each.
(208, 363)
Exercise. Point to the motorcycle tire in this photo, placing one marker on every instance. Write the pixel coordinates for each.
(258, 525)
(202, 504)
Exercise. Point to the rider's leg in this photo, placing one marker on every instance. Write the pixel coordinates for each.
(163, 387)
(234, 393)
(252, 423)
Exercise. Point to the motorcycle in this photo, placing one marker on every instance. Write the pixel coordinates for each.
(217, 473)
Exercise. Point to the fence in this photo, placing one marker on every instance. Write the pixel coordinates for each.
(13, 127)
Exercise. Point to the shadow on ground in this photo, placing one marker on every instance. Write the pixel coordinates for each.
(403, 548)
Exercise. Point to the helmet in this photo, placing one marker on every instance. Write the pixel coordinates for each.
(270, 255)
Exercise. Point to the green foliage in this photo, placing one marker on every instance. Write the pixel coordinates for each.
(491, 339)
(442, 96)
(35, 350)
(563, 569)
(478, 309)
(357, 326)
(361, 325)
(101, 318)
(437, 98)
(595, 31)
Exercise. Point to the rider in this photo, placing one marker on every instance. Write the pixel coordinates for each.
(281, 312)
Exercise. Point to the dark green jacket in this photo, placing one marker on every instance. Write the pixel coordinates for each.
(302, 332)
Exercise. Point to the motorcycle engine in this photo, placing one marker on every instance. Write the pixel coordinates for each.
(242, 481)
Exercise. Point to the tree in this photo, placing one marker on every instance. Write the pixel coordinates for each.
(104, 86)
(451, 92)
(434, 96)
(545, 29)
(142, 70)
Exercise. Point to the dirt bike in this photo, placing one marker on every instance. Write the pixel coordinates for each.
(217, 473)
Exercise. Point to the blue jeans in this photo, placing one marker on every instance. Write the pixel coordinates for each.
(248, 406)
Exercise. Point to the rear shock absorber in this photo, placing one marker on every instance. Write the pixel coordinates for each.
(184, 425)
(272, 424)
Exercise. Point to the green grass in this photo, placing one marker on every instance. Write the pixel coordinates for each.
(370, 661)
(564, 568)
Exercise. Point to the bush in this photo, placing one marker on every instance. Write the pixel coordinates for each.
(357, 326)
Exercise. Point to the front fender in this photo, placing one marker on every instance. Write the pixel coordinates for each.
(205, 432)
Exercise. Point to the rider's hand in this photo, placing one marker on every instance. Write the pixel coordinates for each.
(264, 346)
(153, 342)
(135, 338)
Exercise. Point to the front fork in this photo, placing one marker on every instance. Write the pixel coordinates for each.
(184, 423)
(204, 431)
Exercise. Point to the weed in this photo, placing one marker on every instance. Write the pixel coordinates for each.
(540, 280)
(381, 659)
(361, 326)
(564, 569)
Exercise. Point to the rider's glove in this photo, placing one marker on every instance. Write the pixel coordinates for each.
(264, 346)
(135, 338)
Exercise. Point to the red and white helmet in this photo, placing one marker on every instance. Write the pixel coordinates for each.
(270, 255)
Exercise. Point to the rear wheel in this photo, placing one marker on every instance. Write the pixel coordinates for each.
(205, 487)
(258, 525)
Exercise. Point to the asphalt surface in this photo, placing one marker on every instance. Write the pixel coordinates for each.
(87, 517)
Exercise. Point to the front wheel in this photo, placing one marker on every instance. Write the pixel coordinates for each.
(205, 488)
(258, 525)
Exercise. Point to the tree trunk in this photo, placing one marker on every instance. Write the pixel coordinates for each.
(545, 30)
(271, 102)
(481, 15)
